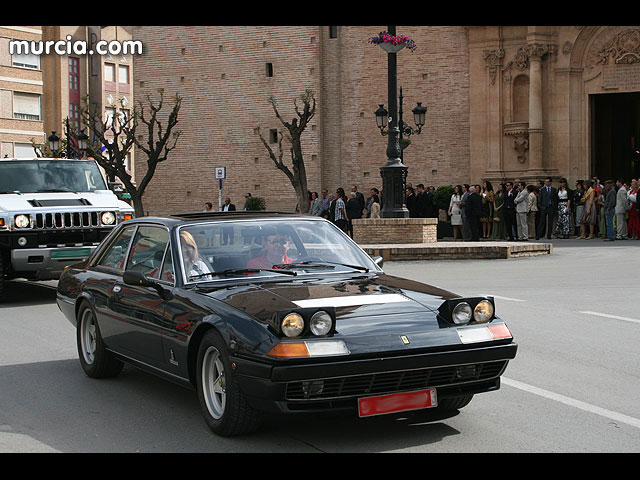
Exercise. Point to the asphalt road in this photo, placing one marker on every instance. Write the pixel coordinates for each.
(573, 387)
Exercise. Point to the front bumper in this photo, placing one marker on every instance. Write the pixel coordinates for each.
(47, 263)
(336, 385)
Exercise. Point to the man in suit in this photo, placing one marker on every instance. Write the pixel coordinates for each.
(463, 211)
(622, 207)
(421, 201)
(522, 207)
(227, 232)
(547, 208)
(228, 206)
(473, 208)
(510, 211)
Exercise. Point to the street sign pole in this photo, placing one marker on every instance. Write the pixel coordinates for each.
(221, 173)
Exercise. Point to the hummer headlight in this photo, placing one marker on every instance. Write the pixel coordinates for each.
(483, 311)
(22, 221)
(292, 325)
(108, 218)
(461, 313)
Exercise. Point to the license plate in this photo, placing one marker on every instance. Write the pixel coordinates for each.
(397, 402)
(71, 253)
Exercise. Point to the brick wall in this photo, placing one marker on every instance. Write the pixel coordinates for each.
(221, 74)
(374, 231)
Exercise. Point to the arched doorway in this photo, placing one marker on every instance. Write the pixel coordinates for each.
(615, 135)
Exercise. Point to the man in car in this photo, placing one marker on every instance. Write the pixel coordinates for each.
(276, 248)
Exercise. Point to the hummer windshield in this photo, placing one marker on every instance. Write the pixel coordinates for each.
(32, 176)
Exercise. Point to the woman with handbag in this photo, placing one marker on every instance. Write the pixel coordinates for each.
(589, 215)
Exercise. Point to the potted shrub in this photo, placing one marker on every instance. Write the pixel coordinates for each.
(441, 199)
(255, 203)
(392, 43)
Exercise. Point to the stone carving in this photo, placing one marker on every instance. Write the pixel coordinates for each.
(536, 50)
(493, 59)
(566, 48)
(521, 145)
(624, 48)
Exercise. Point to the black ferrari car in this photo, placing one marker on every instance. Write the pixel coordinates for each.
(268, 312)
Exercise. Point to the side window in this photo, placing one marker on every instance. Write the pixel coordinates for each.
(167, 268)
(147, 250)
(115, 255)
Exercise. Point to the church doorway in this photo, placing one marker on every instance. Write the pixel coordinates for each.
(615, 135)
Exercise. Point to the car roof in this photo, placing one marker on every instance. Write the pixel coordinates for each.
(195, 217)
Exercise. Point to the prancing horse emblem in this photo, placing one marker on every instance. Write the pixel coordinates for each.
(404, 339)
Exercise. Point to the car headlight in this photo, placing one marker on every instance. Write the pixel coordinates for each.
(108, 218)
(22, 221)
(483, 311)
(461, 313)
(292, 325)
(320, 323)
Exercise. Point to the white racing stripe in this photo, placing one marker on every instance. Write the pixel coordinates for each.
(587, 407)
(351, 300)
(626, 319)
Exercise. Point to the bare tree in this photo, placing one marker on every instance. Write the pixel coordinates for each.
(111, 150)
(295, 128)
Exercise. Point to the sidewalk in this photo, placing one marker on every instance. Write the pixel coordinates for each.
(447, 249)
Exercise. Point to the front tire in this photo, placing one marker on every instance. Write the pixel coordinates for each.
(96, 360)
(225, 408)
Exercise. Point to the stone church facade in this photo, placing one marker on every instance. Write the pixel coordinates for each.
(503, 102)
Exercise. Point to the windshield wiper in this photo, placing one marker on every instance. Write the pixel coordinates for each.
(317, 263)
(234, 271)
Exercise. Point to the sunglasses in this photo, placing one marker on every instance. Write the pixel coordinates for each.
(278, 241)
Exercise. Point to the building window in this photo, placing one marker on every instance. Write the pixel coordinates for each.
(109, 113)
(269, 69)
(273, 136)
(26, 106)
(74, 92)
(26, 60)
(74, 116)
(123, 78)
(333, 31)
(110, 77)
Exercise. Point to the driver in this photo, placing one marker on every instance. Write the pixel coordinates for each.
(193, 265)
(276, 248)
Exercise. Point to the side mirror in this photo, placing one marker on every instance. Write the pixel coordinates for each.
(131, 277)
(378, 260)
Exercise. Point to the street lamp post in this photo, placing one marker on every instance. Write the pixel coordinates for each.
(394, 172)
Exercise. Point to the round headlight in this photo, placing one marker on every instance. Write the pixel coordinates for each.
(461, 313)
(292, 325)
(22, 221)
(483, 311)
(108, 218)
(320, 323)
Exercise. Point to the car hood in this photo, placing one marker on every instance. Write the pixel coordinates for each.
(364, 303)
(50, 201)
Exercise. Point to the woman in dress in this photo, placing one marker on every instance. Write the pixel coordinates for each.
(456, 213)
(563, 225)
(532, 209)
(499, 230)
(577, 202)
(634, 213)
(487, 209)
(589, 215)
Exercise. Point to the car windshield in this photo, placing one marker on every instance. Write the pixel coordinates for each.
(226, 249)
(31, 176)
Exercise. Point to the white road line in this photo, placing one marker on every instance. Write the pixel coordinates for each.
(618, 417)
(626, 319)
(502, 298)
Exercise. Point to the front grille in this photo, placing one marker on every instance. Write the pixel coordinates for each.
(66, 220)
(390, 382)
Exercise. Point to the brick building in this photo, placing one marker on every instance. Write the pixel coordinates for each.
(503, 102)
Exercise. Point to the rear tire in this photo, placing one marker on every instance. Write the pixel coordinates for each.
(96, 360)
(224, 407)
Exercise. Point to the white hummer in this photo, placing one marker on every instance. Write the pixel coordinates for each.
(53, 212)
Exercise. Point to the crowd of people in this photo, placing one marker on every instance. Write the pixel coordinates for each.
(519, 212)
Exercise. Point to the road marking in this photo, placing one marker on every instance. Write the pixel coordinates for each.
(503, 298)
(587, 407)
(626, 319)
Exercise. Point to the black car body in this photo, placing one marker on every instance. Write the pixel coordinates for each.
(323, 330)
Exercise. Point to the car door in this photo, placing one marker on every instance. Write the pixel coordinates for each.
(138, 310)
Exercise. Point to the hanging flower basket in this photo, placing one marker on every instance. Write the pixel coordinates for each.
(393, 43)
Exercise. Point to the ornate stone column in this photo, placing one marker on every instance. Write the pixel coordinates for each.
(535, 52)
